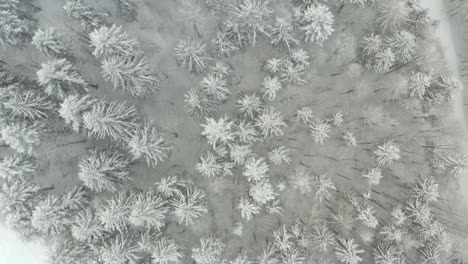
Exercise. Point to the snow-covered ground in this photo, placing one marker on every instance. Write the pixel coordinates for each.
(447, 40)
(15, 251)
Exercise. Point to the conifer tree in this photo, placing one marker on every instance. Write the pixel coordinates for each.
(49, 42)
(317, 23)
(22, 136)
(147, 210)
(403, 45)
(188, 205)
(66, 250)
(262, 192)
(60, 78)
(131, 74)
(17, 166)
(148, 144)
(86, 226)
(28, 105)
(127, 9)
(270, 122)
(113, 41)
(104, 170)
(72, 109)
(198, 104)
(121, 249)
(111, 120)
(166, 251)
(15, 28)
(88, 17)
(190, 54)
(282, 32)
(209, 251)
(50, 217)
(249, 105)
(214, 85)
(347, 251)
(218, 132)
(114, 213)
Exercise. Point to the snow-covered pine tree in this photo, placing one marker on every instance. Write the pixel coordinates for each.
(249, 105)
(323, 185)
(131, 74)
(403, 45)
(15, 28)
(50, 217)
(190, 54)
(218, 132)
(214, 86)
(17, 166)
(393, 15)
(247, 208)
(60, 78)
(76, 199)
(112, 41)
(347, 251)
(262, 192)
(320, 130)
(147, 210)
(247, 20)
(104, 170)
(279, 155)
(188, 205)
(209, 165)
(209, 251)
(256, 169)
(166, 251)
(419, 83)
(282, 32)
(371, 45)
(114, 213)
(66, 250)
(88, 17)
(304, 115)
(127, 9)
(292, 73)
(49, 42)
(246, 132)
(224, 45)
(366, 215)
(322, 237)
(121, 249)
(270, 122)
(270, 86)
(427, 190)
(387, 153)
(86, 226)
(22, 136)
(28, 105)
(198, 104)
(148, 144)
(316, 21)
(115, 120)
(72, 109)
(454, 164)
(169, 186)
(383, 60)
(273, 65)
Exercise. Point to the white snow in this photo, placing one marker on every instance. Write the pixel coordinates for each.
(15, 251)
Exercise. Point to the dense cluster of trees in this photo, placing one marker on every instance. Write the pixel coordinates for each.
(106, 219)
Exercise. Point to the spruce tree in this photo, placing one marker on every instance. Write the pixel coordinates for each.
(49, 42)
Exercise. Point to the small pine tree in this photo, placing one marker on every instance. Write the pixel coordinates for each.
(188, 205)
(60, 78)
(273, 65)
(270, 86)
(15, 28)
(270, 122)
(246, 132)
(291, 73)
(371, 45)
(393, 15)
(76, 199)
(112, 41)
(426, 190)
(224, 45)
(66, 250)
(367, 216)
(147, 143)
(104, 170)
(247, 20)
(72, 109)
(262, 192)
(199, 105)
(282, 31)
(147, 210)
(323, 185)
(455, 165)
(190, 54)
(279, 155)
(249, 105)
(121, 249)
(304, 115)
(387, 153)
(247, 208)
(111, 120)
(317, 23)
(218, 132)
(347, 251)
(214, 85)
(209, 165)
(322, 237)
(18, 166)
(419, 83)
(114, 213)
(131, 74)
(22, 136)
(384, 60)
(29, 105)
(166, 251)
(350, 139)
(50, 217)
(88, 17)
(209, 251)
(320, 130)
(169, 186)
(403, 45)
(127, 9)
(255, 169)
(86, 227)
(373, 176)
(50, 43)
